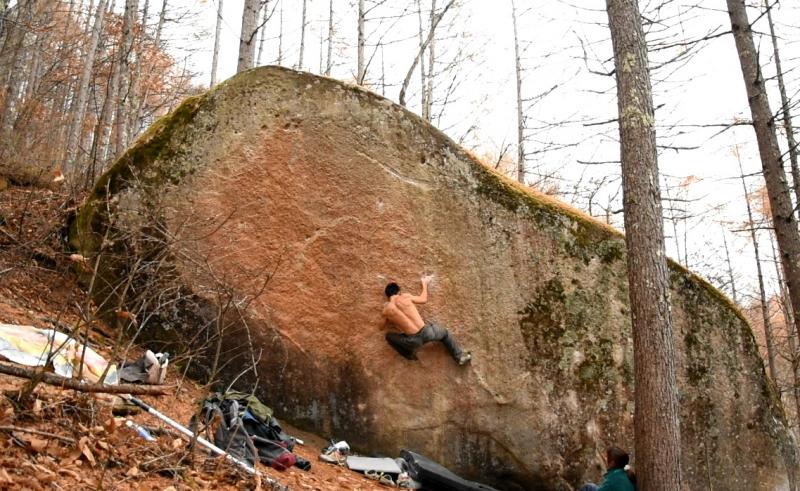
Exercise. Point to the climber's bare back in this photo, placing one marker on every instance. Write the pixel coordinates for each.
(402, 312)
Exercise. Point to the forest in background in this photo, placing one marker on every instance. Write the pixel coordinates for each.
(82, 79)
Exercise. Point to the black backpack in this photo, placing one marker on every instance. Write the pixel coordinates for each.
(248, 434)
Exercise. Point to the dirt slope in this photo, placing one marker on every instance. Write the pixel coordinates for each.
(80, 445)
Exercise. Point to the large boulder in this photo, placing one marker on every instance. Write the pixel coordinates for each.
(271, 212)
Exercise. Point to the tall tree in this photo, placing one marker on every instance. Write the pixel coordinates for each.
(215, 56)
(361, 70)
(791, 334)
(137, 115)
(520, 116)
(330, 39)
(14, 50)
(74, 140)
(102, 149)
(428, 88)
(280, 34)
(656, 424)
(247, 38)
(124, 64)
(422, 68)
(3, 9)
(783, 219)
(262, 31)
(785, 106)
(321, 53)
(752, 226)
(731, 278)
(302, 36)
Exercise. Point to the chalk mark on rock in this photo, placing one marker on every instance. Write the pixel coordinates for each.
(422, 184)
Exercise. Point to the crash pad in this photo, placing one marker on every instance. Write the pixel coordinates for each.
(33, 347)
(378, 464)
(436, 477)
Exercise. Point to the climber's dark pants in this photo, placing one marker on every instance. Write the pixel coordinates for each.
(408, 345)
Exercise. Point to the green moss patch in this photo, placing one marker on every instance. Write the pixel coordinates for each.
(559, 321)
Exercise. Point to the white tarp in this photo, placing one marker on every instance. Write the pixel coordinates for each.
(33, 347)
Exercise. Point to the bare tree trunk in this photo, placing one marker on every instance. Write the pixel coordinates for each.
(9, 35)
(656, 424)
(673, 221)
(383, 73)
(426, 110)
(135, 91)
(777, 188)
(96, 154)
(768, 335)
(32, 71)
(785, 105)
(87, 21)
(215, 56)
(520, 116)
(74, 138)
(321, 53)
(791, 333)
(280, 36)
(431, 33)
(302, 37)
(3, 10)
(422, 68)
(730, 268)
(14, 44)
(247, 39)
(330, 39)
(123, 106)
(157, 44)
(62, 106)
(100, 153)
(360, 69)
(262, 31)
(161, 17)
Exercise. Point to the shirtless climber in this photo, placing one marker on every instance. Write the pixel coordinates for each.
(401, 311)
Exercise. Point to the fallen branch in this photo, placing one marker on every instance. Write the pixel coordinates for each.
(64, 439)
(8, 235)
(69, 383)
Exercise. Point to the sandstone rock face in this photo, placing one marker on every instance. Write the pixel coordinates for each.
(279, 204)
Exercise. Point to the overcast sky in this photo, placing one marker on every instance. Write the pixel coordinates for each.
(567, 47)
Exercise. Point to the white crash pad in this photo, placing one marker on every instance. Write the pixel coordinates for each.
(34, 347)
(362, 464)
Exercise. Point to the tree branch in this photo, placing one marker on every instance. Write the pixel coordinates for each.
(69, 383)
(407, 80)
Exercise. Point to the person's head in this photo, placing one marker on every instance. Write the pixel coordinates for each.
(616, 458)
(392, 289)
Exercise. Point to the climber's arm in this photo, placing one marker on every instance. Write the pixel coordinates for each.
(423, 296)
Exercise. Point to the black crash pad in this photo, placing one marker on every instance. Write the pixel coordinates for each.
(435, 477)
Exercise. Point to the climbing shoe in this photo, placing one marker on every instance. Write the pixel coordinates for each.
(464, 358)
(410, 355)
(336, 453)
(382, 478)
(405, 481)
